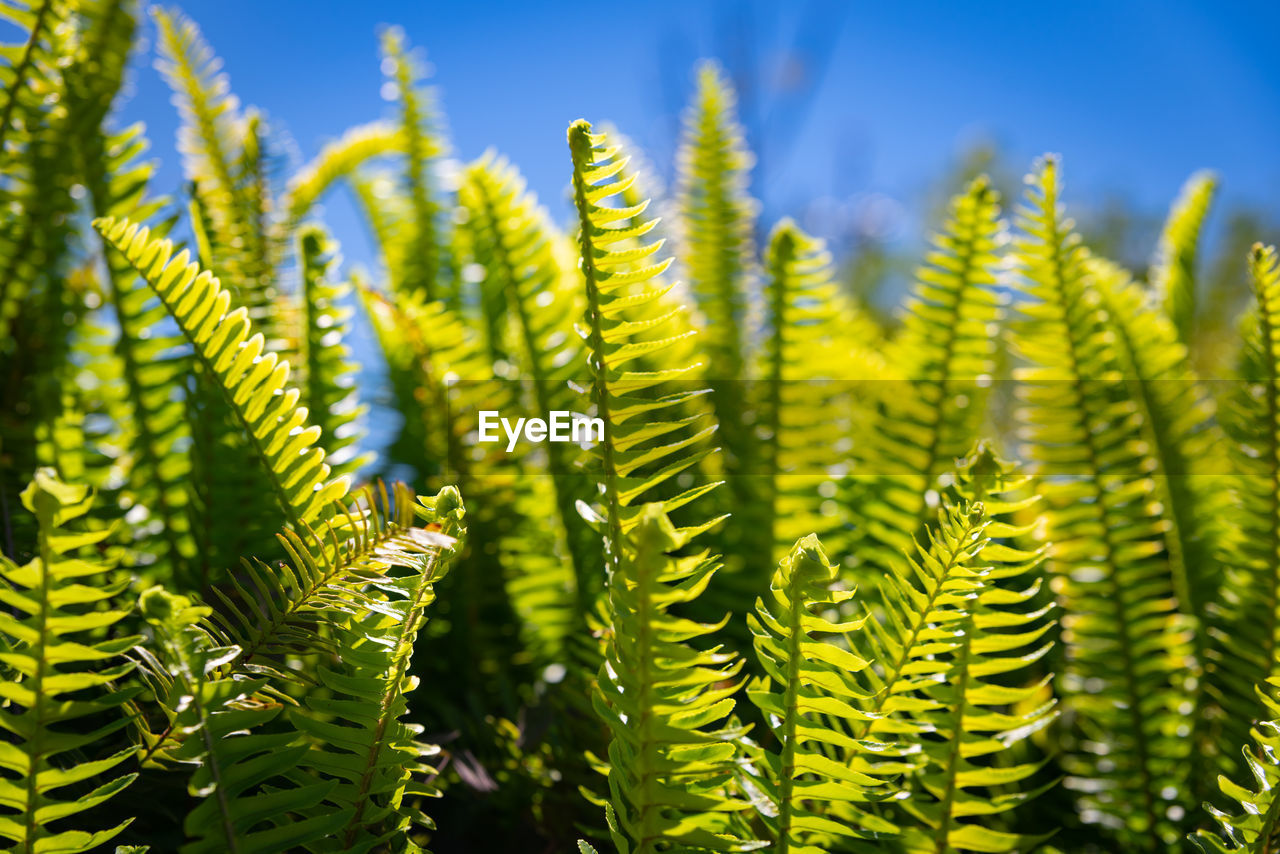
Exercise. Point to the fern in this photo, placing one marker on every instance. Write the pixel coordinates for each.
(238, 771)
(619, 280)
(1257, 829)
(337, 160)
(1247, 627)
(932, 406)
(1173, 273)
(976, 717)
(815, 358)
(671, 756)
(1122, 632)
(329, 376)
(359, 739)
(716, 220)
(64, 697)
(419, 265)
(212, 140)
(254, 384)
(543, 300)
(811, 679)
(277, 614)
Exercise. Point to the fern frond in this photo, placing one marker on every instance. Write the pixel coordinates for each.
(359, 739)
(810, 678)
(212, 141)
(1127, 650)
(254, 385)
(950, 616)
(717, 221)
(419, 264)
(1256, 830)
(1247, 628)
(544, 302)
(672, 752)
(281, 612)
(64, 672)
(152, 359)
(337, 160)
(621, 279)
(987, 705)
(328, 375)
(933, 401)
(239, 772)
(1173, 272)
(24, 79)
(815, 353)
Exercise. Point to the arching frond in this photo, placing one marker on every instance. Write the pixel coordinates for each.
(254, 384)
(337, 160)
(61, 672)
(283, 612)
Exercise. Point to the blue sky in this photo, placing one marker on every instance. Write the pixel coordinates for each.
(843, 99)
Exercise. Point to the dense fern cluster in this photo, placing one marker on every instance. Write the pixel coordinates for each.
(793, 598)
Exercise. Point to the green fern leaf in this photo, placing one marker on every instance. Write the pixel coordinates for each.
(277, 614)
(620, 279)
(717, 220)
(810, 679)
(218, 144)
(239, 772)
(254, 385)
(1127, 650)
(1257, 829)
(64, 671)
(328, 381)
(815, 355)
(359, 739)
(933, 403)
(544, 300)
(1173, 273)
(1247, 628)
(337, 160)
(672, 753)
(987, 705)
(417, 260)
